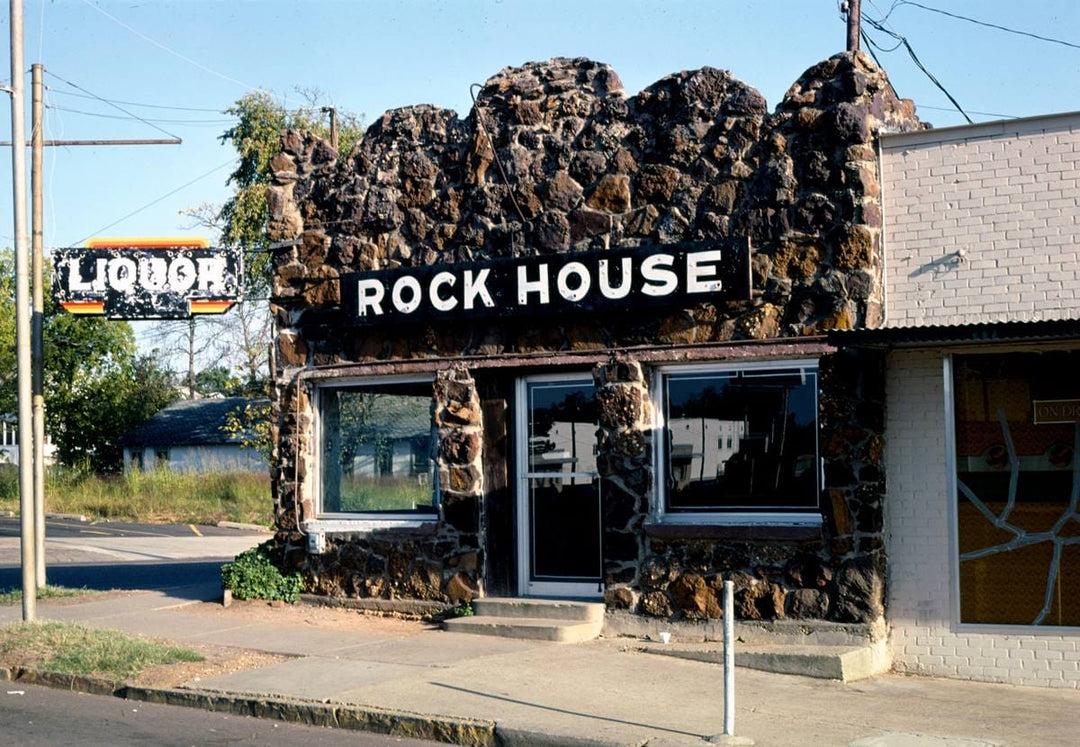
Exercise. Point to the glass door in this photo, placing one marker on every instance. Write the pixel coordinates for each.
(558, 489)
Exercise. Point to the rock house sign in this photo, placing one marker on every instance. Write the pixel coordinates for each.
(585, 281)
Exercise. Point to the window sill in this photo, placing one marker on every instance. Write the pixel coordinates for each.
(760, 527)
(358, 524)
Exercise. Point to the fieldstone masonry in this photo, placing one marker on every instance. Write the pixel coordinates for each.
(694, 157)
(624, 461)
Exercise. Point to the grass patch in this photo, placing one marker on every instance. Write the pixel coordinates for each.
(156, 496)
(74, 649)
(383, 494)
(14, 596)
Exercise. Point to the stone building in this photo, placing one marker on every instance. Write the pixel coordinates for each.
(615, 311)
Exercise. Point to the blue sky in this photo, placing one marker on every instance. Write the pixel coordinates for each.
(367, 56)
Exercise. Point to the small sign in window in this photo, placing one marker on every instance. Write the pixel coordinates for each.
(1049, 411)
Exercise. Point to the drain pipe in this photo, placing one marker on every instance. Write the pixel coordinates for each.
(729, 658)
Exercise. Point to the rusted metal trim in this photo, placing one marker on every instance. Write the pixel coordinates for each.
(801, 347)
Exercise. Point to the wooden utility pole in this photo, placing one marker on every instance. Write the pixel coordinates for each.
(332, 110)
(37, 318)
(854, 16)
(22, 315)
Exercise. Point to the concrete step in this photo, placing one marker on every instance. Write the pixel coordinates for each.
(526, 628)
(547, 609)
(844, 663)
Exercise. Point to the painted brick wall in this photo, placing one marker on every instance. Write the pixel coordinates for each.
(982, 223)
(925, 639)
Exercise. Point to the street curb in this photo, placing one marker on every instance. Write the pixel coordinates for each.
(67, 517)
(447, 729)
(243, 526)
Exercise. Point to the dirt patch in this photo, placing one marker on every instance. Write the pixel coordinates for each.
(334, 618)
(222, 660)
(218, 661)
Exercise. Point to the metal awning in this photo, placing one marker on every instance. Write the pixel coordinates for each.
(957, 334)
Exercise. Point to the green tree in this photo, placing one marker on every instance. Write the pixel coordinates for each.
(251, 424)
(8, 403)
(217, 380)
(97, 388)
(255, 136)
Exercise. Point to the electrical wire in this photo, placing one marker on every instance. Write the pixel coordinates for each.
(136, 103)
(971, 111)
(976, 21)
(164, 48)
(114, 106)
(495, 153)
(150, 204)
(52, 169)
(869, 44)
(918, 63)
(140, 119)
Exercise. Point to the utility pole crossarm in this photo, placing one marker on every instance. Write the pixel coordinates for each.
(58, 143)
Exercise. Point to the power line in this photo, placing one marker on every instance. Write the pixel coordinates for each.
(150, 204)
(53, 107)
(918, 63)
(114, 106)
(164, 48)
(136, 103)
(971, 111)
(977, 22)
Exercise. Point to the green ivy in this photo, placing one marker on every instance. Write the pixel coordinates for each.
(254, 575)
(465, 609)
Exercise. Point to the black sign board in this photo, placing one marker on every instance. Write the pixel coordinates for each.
(146, 278)
(627, 278)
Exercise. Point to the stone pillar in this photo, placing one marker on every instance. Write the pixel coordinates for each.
(624, 461)
(459, 423)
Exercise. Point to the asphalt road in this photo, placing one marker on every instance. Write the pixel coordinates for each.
(115, 555)
(33, 716)
(10, 527)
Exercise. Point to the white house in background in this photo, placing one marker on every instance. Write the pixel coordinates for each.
(9, 444)
(189, 436)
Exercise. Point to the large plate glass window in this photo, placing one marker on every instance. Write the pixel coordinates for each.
(739, 440)
(376, 449)
(1017, 431)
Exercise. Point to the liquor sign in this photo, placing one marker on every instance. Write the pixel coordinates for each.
(147, 278)
(616, 279)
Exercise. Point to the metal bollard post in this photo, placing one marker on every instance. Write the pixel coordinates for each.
(729, 658)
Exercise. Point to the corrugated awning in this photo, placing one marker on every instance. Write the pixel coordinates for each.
(957, 334)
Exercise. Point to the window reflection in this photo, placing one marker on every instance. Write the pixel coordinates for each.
(377, 448)
(741, 440)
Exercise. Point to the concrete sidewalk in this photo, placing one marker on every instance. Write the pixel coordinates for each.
(605, 692)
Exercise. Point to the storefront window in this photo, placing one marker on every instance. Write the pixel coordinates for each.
(1018, 485)
(376, 449)
(740, 440)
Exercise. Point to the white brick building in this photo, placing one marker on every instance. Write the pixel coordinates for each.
(982, 257)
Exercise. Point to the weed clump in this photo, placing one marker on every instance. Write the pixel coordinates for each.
(255, 575)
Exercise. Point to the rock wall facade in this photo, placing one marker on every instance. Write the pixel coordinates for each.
(582, 166)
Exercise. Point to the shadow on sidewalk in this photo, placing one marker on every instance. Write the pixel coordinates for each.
(195, 580)
(564, 711)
